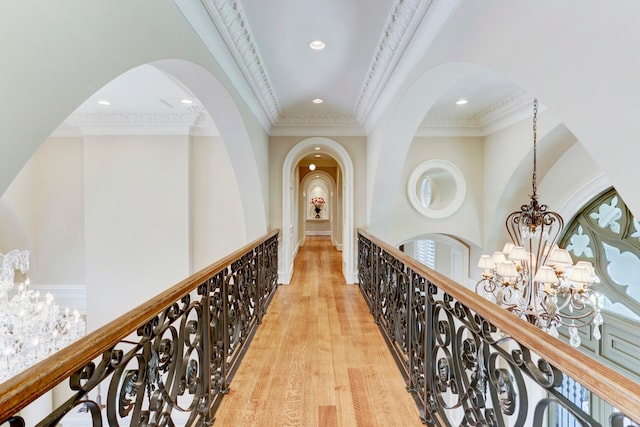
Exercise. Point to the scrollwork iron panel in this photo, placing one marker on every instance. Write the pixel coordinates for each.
(181, 363)
(461, 370)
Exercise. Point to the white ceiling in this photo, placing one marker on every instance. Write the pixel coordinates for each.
(268, 41)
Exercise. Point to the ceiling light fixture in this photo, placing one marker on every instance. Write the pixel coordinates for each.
(461, 101)
(312, 167)
(317, 148)
(104, 102)
(186, 101)
(317, 156)
(535, 279)
(317, 100)
(317, 45)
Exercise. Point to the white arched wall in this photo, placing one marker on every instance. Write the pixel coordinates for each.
(510, 186)
(290, 211)
(220, 105)
(462, 275)
(592, 93)
(13, 233)
(389, 143)
(329, 186)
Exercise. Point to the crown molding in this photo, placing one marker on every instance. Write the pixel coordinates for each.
(402, 22)
(316, 120)
(231, 22)
(194, 121)
(492, 119)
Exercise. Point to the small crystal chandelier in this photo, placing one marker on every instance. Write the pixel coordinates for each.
(535, 279)
(31, 327)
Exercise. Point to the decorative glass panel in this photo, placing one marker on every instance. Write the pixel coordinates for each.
(606, 233)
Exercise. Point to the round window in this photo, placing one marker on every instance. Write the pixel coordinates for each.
(436, 188)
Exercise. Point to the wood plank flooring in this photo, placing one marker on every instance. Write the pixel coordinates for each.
(318, 359)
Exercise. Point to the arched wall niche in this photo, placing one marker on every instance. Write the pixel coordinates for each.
(290, 206)
(319, 184)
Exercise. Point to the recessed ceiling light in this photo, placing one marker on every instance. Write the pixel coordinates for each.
(317, 156)
(186, 101)
(318, 101)
(317, 148)
(104, 102)
(461, 101)
(312, 167)
(317, 45)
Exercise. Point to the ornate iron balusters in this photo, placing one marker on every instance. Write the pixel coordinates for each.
(177, 369)
(459, 367)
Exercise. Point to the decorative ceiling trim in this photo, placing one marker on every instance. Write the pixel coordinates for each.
(231, 22)
(315, 120)
(503, 108)
(401, 24)
(493, 118)
(194, 120)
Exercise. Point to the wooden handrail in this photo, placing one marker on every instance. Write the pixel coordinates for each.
(610, 385)
(27, 386)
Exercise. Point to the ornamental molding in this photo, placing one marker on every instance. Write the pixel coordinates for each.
(401, 24)
(493, 118)
(195, 120)
(231, 22)
(315, 120)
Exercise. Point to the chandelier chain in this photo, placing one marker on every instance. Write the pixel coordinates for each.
(535, 148)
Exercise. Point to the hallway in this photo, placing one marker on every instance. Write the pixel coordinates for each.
(318, 359)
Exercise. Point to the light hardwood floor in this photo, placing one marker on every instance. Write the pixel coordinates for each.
(318, 359)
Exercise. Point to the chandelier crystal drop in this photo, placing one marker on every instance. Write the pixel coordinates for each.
(535, 279)
(32, 326)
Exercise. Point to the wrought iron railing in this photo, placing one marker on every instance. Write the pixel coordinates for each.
(468, 362)
(187, 345)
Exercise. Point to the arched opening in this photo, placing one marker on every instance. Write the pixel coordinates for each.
(291, 231)
(443, 253)
(320, 203)
(130, 199)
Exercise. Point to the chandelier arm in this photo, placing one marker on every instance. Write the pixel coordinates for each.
(565, 319)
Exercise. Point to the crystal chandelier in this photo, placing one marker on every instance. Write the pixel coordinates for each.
(535, 279)
(31, 327)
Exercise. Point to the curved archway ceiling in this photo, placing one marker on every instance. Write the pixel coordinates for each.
(141, 100)
(364, 44)
(268, 43)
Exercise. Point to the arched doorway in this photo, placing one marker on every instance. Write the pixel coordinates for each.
(290, 212)
(314, 185)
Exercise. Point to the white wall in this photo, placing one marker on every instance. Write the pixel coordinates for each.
(57, 56)
(47, 197)
(216, 228)
(136, 220)
(464, 223)
(586, 77)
